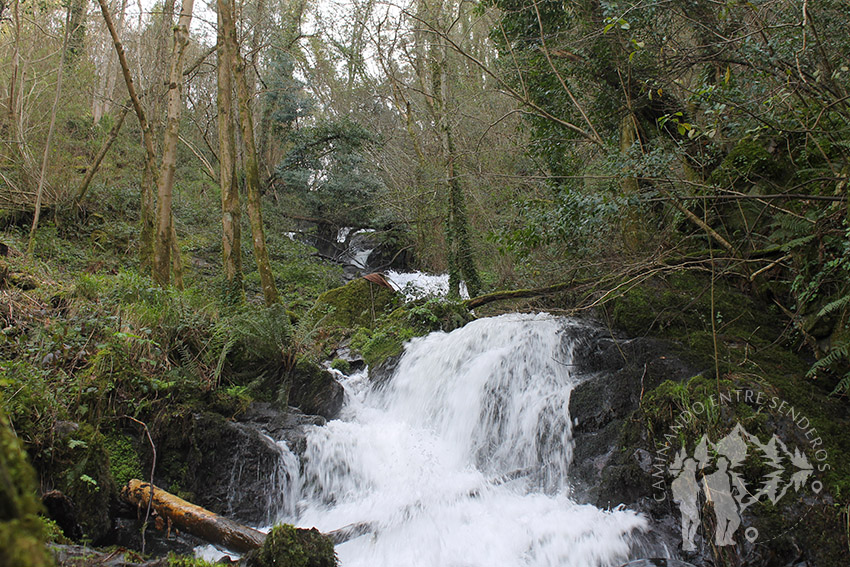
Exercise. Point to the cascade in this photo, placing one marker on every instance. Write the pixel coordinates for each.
(462, 457)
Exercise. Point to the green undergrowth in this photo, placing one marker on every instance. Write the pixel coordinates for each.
(91, 351)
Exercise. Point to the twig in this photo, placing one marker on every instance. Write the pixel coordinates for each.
(153, 468)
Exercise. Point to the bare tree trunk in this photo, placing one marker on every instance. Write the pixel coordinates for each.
(231, 215)
(18, 149)
(102, 103)
(77, 32)
(460, 256)
(13, 81)
(147, 200)
(176, 258)
(252, 172)
(40, 191)
(163, 244)
(92, 169)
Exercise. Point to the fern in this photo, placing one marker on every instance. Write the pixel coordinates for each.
(797, 242)
(836, 354)
(843, 385)
(835, 305)
(257, 333)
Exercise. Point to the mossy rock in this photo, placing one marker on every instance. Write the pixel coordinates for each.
(749, 161)
(357, 304)
(21, 530)
(313, 390)
(81, 470)
(386, 340)
(124, 461)
(287, 546)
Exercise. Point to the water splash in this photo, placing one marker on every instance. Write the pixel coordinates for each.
(462, 458)
(416, 285)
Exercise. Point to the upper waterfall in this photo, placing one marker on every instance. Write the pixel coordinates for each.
(462, 457)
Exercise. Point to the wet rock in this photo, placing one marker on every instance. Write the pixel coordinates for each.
(159, 539)
(314, 390)
(290, 426)
(382, 373)
(230, 468)
(616, 373)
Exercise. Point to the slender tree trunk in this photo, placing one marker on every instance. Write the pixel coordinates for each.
(102, 103)
(18, 150)
(147, 198)
(252, 172)
(77, 32)
(632, 228)
(40, 191)
(176, 258)
(460, 256)
(92, 169)
(231, 216)
(164, 242)
(13, 81)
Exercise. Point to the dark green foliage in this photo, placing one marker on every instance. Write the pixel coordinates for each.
(249, 334)
(124, 461)
(288, 546)
(328, 173)
(79, 465)
(284, 97)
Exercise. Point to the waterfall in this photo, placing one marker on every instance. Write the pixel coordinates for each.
(461, 459)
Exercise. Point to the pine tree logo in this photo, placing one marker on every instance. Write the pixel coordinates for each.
(713, 474)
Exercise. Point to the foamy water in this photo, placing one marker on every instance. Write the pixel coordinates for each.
(462, 458)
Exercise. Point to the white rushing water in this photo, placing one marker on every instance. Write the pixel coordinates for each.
(416, 285)
(461, 459)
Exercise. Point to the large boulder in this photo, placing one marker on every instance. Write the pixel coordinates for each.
(231, 468)
(356, 304)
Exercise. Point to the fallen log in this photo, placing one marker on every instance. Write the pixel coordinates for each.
(212, 527)
(516, 294)
(194, 519)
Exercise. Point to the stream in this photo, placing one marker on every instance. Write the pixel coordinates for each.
(462, 457)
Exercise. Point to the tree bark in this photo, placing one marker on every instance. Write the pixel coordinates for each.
(40, 191)
(231, 215)
(460, 257)
(164, 242)
(147, 198)
(210, 526)
(252, 172)
(77, 31)
(194, 519)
